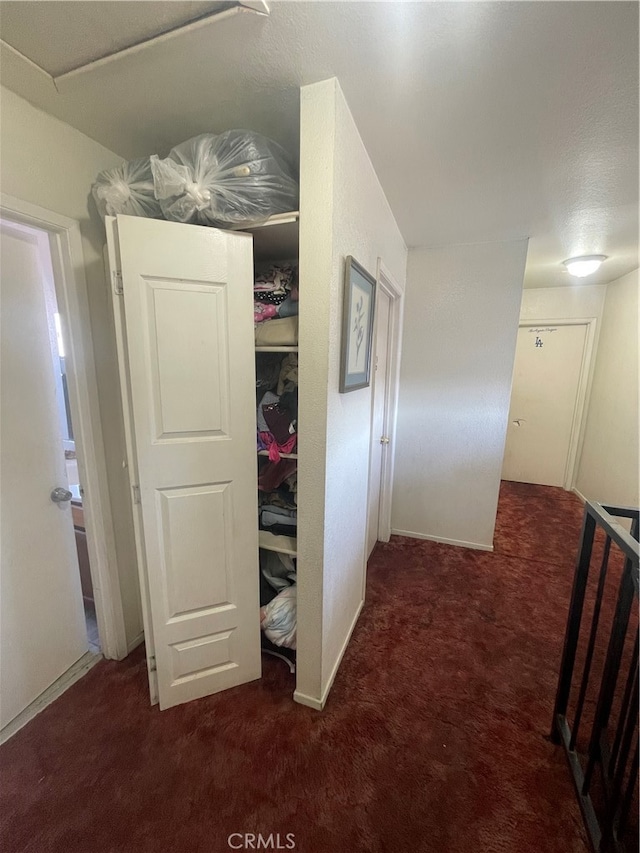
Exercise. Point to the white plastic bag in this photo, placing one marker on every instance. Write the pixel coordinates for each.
(232, 180)
(278, 619)
(127, 189)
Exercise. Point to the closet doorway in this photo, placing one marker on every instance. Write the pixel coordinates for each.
(49, 638)
(384, 396)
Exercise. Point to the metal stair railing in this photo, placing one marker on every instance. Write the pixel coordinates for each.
(604, 767)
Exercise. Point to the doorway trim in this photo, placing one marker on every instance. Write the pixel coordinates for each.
(584, 388)
(65, 243)
(388, 284)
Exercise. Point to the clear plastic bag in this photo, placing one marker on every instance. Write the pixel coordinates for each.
(127, 189)
(233, 180)
(279, 620)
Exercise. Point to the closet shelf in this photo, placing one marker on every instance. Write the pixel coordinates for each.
(276, 349)
(282, 455)
(281, 544)
(277, 238)
(278, 219)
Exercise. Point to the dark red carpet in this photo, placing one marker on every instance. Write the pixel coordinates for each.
(434, 737)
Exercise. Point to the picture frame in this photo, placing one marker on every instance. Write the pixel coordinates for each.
(358, 312)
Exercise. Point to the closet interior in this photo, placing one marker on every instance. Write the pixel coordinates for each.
(276, 300)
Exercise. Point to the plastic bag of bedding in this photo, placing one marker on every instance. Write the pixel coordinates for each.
(127, 189)
(278, 619)
(233, 180)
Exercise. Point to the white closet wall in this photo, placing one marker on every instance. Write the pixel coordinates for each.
(343, 211)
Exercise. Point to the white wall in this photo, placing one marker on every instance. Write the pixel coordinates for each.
(343, 212)
(462, 306)
(49, 163)
(608, 469)
(563, 303)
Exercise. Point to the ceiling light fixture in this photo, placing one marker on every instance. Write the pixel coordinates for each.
(584, 265)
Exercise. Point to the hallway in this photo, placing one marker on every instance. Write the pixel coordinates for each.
(434, 738)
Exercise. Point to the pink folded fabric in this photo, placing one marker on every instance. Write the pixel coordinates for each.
(262, 311)
(276, 449)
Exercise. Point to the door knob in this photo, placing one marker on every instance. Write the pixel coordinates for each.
(59, 495)
(384, 440)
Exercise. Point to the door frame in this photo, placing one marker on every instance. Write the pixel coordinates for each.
(584, 389)
(67, 258)
(387, 283)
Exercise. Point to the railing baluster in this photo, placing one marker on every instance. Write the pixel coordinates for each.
(628, 795)
(613, 804)
(611, 670)
(573, 624)
(592, 642)
(625, 746)
(631, 680)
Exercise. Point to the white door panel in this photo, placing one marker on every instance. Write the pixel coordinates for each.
(112, 264)
(189, 325)
(544, 395)
(43, 631)
(378, 449)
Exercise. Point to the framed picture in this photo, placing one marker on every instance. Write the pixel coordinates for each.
(357, 327)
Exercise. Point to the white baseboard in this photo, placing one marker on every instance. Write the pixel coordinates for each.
(478, 546)
(135, 642)
(309, 701)
(336, 666)
(579, 495)
(53, 692)
(318, 704)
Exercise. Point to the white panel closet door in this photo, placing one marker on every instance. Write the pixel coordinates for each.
(188, 300)
(544, 394)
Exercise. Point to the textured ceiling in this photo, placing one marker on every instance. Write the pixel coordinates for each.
(60, 36)
(485, 121)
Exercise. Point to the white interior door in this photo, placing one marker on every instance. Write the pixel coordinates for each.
(379, 440)
(544, 398)
(42, 631)
(188, 300)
